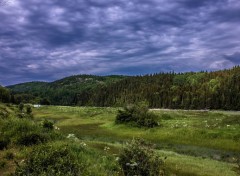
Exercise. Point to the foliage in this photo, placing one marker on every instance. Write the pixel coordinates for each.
(137, 114)
(4, 95)
(9, 155)
(25, 132)
(51, 159)
(28, 109)
(138, 158)
(47, 124)
(20, 107)
(3, 143)
(2, 164)
(45, 101)
(60, 92)
(4, 112)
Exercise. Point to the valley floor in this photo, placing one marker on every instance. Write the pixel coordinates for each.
(194, 142)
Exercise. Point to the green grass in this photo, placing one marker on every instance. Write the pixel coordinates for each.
(195, 142)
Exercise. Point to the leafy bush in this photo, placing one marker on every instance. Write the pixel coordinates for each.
(47, 124)
(3, 144)
(20, 107)
(9, 156)
(51, 160)
(137, 115)
(3, 113)
(2, 164)
(26, 132)
(166, 116)
(138, 158)
(32, 139)
(28, 109)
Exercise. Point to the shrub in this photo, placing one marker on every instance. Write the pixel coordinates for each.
(50, 159)
(9, 156)
(29, 139)
(26, 132)
(138, 158)
(166, 116)
(2, 164)
(28, 109)
(3, 144)
(238, 163)
(137, 115)
(47, 124)
(20, 107)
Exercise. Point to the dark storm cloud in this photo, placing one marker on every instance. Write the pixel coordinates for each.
(234, 58)
(47, 40)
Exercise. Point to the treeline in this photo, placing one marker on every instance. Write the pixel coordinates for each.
(201, 90)
(60, 92)
(5, 96)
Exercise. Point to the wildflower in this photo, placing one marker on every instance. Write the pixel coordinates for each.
(71, 136)
(106, 148)
(56, 128)
(83, 144)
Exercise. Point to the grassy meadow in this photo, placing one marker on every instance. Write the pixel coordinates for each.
(194, 143)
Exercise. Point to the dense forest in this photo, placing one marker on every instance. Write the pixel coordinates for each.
(5, 95)
(192, 90)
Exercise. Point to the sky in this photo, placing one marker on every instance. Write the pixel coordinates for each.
(51, 39)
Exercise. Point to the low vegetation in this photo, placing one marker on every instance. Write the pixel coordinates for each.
(51, 159)
(137, 115)
(201, 143)
(138, 158)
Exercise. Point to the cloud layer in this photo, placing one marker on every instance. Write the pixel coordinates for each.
(47, 40)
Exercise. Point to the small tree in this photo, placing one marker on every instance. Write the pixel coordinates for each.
(138, 158)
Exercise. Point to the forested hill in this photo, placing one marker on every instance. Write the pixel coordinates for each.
(201, 90)
(60, 92)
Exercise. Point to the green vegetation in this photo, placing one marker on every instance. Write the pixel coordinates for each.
(194, 142)
(137, 115)
(200, 90)
(51, 160)
(138, 158)
(5, 96)
(60, 92)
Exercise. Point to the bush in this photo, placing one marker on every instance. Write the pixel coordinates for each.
(52, 160)
(26, 132)
(47, 124)
(3, 144)
(2, 164)
(31, 139)
(20, 107)
(9, 156)
(138, 158)
(137, 115)
(29, 109)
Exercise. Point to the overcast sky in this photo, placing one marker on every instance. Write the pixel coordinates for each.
(46, 40)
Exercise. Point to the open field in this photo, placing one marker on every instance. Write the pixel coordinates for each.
(195, 142)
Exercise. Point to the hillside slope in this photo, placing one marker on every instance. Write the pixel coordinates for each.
(63, 91)
(192, 90)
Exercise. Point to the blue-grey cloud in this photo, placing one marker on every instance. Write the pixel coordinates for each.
(49, 40)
